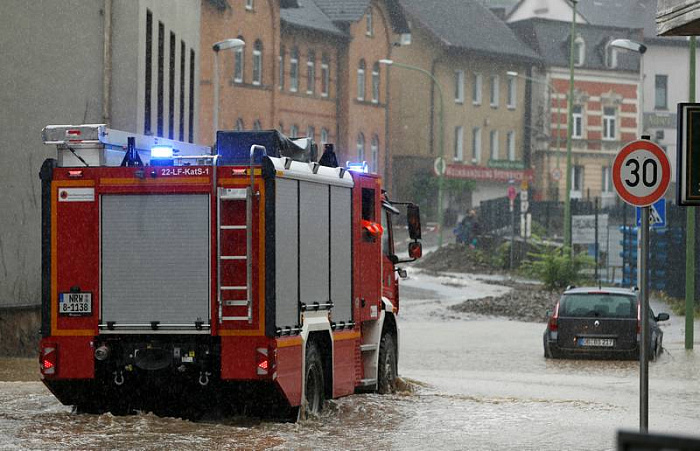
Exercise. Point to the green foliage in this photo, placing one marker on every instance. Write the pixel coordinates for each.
(556, 268)
(677, 305)
(424, 190)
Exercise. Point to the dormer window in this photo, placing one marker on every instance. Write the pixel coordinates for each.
(610, 56)
(579, 51)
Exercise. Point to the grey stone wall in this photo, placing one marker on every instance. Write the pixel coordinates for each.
(19, 331)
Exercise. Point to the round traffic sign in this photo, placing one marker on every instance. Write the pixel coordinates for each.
(511, 193)
(439, 166)
(556, 174)
(641, 173)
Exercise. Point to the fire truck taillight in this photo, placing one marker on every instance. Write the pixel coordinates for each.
(262, 359)
(49, 359)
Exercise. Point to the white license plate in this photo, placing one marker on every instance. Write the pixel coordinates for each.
(597, 342)
(75, 303)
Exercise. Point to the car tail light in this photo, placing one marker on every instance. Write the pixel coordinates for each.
(553, 325)
(49, 359)
(262, 361)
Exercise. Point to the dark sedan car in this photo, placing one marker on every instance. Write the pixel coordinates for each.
(599, 323)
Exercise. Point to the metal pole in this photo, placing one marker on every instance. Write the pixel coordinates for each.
(441, 178)
(216, 94)
(512, 234)
(570, 121)
(643, 262)
(690, 232)
(595, 212)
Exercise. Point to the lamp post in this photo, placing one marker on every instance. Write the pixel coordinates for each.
(221, 45)
(441, 175)
(551, 90)
(570, 123)
(632, 46)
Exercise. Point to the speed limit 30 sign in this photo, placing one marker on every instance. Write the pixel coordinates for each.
(641, 173)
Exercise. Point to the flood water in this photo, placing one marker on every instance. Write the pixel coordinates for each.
(477, 383)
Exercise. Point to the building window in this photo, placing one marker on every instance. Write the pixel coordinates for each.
(257, 126)
(324, 135)
(311, 72)
(171, 88)
(368, 23)
(476, 145)
(375, 153)
(375, 83)
(494, 144)
(360, 147)
(576, 182)
(149, 74)
(510, 142)
(257, 63)
(183, 57)
(610, 56)
(459, 143)
(512, 92)
(294, 131)
(361, 81)
(494, 91)
(661, 92)
(459, 86)
(311, 132)
(280, 60)
(607, 180)
(477, 89)
(190, 111)
(239, 125)
(579, 51)
(609, 131)
(325, 75)
(238, 63)
(577, 119)
(294, 70)
(249, 5)
(161, 76)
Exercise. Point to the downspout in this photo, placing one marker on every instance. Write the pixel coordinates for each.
(527, 139)
(431, 135)
(107, 67)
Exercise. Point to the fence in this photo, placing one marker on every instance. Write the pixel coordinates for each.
(616, 247)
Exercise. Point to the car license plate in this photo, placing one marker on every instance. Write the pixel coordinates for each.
(75, 304)
(597, 342)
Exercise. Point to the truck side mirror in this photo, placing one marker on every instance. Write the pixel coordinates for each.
(415, 249)
(413, 217)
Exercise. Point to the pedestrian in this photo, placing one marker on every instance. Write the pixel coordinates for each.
(475, 228)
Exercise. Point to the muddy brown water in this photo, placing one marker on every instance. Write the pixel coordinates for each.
(480, 383)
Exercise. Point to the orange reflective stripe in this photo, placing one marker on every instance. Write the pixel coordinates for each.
(373, 228)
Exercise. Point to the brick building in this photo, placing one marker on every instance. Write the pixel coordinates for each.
(605, 105)
(309, 68)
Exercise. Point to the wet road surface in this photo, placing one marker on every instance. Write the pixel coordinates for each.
(478, 383)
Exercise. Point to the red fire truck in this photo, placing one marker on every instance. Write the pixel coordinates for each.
(176, 277)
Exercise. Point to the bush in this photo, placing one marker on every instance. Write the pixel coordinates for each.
(556, 268)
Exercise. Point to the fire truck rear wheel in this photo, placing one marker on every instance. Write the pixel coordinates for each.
(314, 380)
(387, 365)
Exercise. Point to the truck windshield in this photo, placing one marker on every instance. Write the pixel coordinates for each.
(598, 305)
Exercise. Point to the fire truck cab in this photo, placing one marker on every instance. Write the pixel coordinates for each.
(252, 276)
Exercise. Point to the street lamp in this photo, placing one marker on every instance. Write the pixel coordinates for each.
(441, 175)
(221, 45)
(633, 46)
(551, 90)
(569, 129)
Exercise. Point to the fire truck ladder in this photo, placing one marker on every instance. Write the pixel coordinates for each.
(228, 195)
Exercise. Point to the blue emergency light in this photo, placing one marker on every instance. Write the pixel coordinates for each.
(357, 167)
(161, 156)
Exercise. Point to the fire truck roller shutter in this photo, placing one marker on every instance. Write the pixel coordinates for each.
(286, 253)
(155, 258)
(314, 243)
(341, 253)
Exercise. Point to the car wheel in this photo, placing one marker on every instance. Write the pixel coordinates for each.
(314, 381)
(386, 382)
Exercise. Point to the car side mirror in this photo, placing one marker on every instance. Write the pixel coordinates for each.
(415, 250)
(662, 317)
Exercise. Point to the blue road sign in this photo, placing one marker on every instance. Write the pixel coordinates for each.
(657, 214)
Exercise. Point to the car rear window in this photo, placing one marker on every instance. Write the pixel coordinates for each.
(589, 305)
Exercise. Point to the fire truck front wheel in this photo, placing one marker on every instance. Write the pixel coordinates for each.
(387, 365)
(314, 381)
